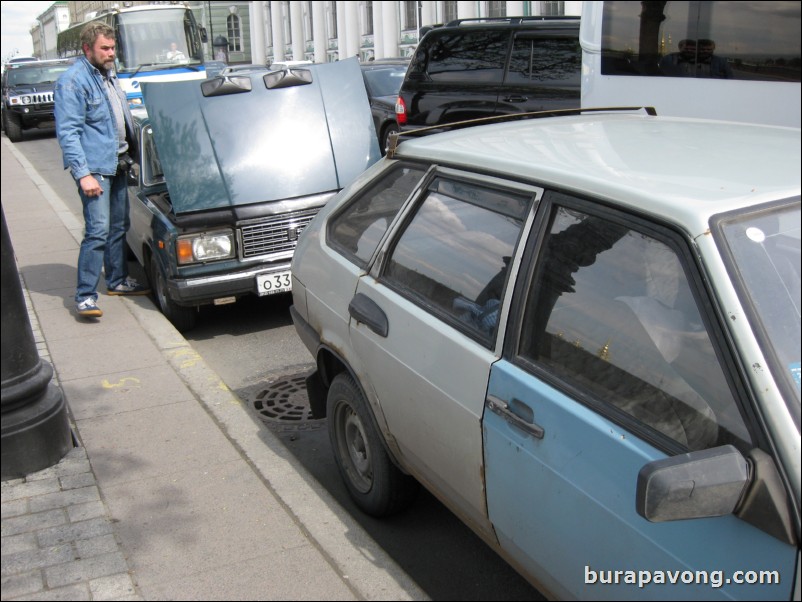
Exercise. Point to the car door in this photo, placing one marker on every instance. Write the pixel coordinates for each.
(439, 291)
(455, 76)
(614, 363)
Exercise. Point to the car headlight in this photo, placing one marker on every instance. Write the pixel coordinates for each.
(14, 100)
(205, 246)
(26, 100)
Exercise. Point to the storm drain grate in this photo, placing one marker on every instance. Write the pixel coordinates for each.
(284, 405)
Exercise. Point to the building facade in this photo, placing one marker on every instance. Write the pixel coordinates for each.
(328, 31)
(45, 32)
(318, 31)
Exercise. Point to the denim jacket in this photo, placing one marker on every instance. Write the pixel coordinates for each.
(85, 124)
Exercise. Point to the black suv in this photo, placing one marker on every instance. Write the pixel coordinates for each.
(473, 68)
(28, 94)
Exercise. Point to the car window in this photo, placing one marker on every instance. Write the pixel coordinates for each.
(357, 229)
(385, 81)
(610, 312)
(475, 56)
(545, 61)
(454, 254)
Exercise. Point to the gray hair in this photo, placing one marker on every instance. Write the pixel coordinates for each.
(92, 31)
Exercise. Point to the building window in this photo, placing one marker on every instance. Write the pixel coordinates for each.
(496, 9)
(332, 24)
(449, 11)
(408, 10)
(234, 35)
(368, 26)
(554, 9)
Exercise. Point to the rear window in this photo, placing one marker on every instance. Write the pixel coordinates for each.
(359, 227)
(476, 56)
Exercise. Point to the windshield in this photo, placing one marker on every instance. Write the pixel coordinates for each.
(35, 75)
(765, 248)
(157, 38)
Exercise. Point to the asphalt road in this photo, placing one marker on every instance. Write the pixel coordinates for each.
(253, 347)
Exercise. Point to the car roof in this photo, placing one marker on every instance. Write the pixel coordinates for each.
(39, 64)
(384, 64)
(386, 61)
(283, 64)
(681, 170)
(568, 22)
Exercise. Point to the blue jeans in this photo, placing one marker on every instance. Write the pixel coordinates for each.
(103, 247)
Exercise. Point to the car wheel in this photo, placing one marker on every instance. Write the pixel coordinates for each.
(377, 486)
(183, 318)
(13, 126)
(389, 130)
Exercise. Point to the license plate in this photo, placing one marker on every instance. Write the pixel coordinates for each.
(270, 284)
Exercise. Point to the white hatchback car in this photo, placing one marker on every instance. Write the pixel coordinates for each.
(582, 334)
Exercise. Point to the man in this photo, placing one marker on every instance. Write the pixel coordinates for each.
(682, 63)
(95, 131)
(174, 54)
(711, 64)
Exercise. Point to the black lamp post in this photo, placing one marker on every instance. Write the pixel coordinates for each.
(35, 427)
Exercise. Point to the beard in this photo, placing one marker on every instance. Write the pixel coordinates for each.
(102, 66)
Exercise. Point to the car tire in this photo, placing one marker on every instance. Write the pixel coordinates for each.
(387, 131)
(13, 126)
(377, 486)
(183, 318)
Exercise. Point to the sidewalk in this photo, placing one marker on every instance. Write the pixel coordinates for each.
(174, 492)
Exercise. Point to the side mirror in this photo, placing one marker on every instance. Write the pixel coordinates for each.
(699, 484)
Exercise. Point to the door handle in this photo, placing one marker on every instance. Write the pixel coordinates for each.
(364, 309)
(516, 99)
(502, 408)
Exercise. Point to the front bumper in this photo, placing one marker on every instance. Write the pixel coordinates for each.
(202, 290)
(32, 115)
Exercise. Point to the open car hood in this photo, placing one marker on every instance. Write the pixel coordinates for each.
(260, 135)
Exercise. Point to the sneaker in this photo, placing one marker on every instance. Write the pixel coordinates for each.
(129, 286)
(88, 308)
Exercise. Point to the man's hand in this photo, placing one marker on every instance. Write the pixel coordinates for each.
(90, 186)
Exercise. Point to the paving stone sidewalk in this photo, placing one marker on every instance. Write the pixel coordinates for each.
(58, 539)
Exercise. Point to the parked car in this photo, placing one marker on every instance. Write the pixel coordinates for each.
(22, 59)
(277, 66)
(232, 169)
(383, 79)
(582, 334)
(27, 89)
(214, 68)
(229, 69)
(474, 68)
(289, 64)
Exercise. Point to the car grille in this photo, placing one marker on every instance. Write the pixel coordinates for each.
(275, 234)
(39, 98)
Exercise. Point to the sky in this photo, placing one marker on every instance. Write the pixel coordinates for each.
(16, 20)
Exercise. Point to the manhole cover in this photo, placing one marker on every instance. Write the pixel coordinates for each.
(283, 405)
